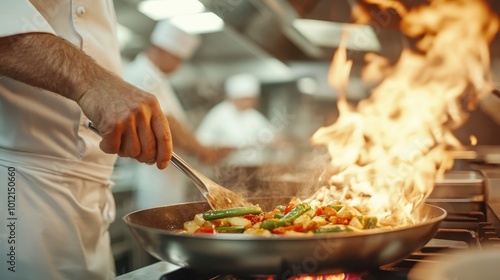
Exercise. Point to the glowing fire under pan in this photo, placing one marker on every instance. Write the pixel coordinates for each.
(242, 254)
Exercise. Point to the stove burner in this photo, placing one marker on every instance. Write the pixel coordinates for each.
(184, 273)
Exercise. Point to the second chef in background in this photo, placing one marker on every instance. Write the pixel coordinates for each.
(236, 123)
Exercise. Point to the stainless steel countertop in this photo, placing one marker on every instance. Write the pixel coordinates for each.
(494, 213)
(153, 272)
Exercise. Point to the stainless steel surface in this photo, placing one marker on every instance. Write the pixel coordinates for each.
(492, 185)
(482, 261)
(154, 271)
(493, 214)
(246, 254)
(460, 190)
(217, 196)
(459, 186)
(460, 177)
(487, 154)
(471, 264)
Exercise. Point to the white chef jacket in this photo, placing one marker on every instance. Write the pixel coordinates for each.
(224, 125)
(157, 187)
(62, 202)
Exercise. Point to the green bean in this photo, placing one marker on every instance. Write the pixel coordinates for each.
(332, 229)
(278, 216)
(288, 218)
(296, 211)
(271, 224)
(336, 207)
(231, 212)
(369, 222)
(230, 229)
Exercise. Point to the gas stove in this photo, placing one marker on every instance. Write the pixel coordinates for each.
(471, 199)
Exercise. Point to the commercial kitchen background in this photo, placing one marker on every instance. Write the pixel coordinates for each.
(290, 54)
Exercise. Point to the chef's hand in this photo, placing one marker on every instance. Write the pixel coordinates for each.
(130, 120)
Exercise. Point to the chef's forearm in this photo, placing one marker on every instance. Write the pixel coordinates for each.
(48, 62)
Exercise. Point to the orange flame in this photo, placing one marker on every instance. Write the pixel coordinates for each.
(473, 140)
(387, 152)
(338, 74)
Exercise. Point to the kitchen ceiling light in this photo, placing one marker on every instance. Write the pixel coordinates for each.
(161, 9)
(199, 23)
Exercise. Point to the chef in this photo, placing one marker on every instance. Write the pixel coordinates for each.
(59, 68)
(236, 123)
(150, 70)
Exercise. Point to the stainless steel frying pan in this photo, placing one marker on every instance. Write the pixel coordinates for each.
(278, 255)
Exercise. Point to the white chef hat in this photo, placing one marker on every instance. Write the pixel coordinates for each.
(173, 40)
(242, 85)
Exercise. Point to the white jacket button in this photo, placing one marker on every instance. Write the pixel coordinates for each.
(80, 10)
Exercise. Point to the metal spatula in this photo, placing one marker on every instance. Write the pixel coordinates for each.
(217, 196)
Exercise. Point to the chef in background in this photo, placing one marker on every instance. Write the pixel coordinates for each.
(150, 70)
(236, 122)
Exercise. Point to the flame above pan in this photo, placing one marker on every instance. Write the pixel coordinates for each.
(387, 151)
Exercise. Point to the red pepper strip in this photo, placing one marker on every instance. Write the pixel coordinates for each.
(205, 230)
(319, 212)
(289, 207)
(282, 230)
(343, 221)
(253, 218)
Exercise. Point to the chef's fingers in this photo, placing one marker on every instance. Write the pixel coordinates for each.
(147, 139)
(160, 127)
(130, 145)
(111, 140)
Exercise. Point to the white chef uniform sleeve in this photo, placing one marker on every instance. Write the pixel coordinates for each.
(20, 16)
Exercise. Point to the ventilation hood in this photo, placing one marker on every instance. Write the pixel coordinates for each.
(303, 30)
